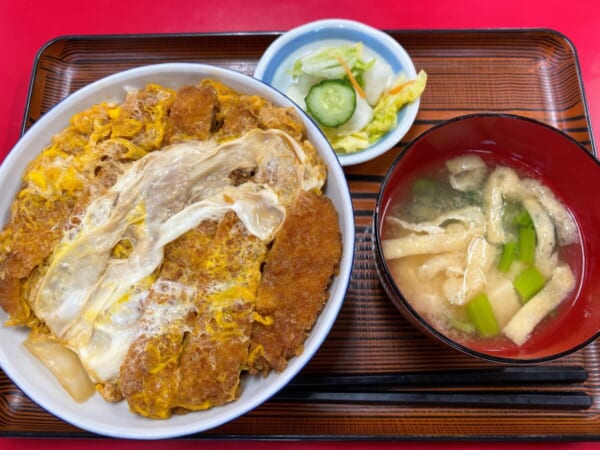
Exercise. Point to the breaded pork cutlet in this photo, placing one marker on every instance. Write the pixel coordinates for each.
(216, 349)
(197, 362)
(149, 377)
(296, 277)
(192, 114)
(81, 161)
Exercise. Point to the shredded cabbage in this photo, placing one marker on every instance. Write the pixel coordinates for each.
(384, 115)
(325, 63)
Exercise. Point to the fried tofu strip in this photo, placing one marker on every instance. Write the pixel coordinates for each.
(296, 277)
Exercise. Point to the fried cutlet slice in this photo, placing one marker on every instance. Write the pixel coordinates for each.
(294, 287)
(217, 347)
(35, 226)
(237, 117)
(142, 118)
(196, 364)
(284, 119)
(58, 184)
(192, 114)
(149, 377)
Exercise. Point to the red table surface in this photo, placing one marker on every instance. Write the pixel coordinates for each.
(25, 26)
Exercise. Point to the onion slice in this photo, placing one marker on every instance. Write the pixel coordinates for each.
(64, 365)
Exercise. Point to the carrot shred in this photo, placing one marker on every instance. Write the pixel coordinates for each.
(398, 88)
(351, 77)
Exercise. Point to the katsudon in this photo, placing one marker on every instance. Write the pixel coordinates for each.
(170, 244)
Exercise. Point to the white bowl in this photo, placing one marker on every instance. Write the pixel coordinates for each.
(280, 55)
(96, 415)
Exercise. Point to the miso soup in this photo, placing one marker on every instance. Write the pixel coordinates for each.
(483, 251)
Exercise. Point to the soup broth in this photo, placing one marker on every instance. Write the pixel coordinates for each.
(482, 250)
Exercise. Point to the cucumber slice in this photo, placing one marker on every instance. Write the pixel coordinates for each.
(331, 102)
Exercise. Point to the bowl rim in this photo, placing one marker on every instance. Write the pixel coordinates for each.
(407, 113)
(390, 286)
(93, 93)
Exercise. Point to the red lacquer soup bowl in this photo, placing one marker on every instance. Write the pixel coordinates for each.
(535, 151)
